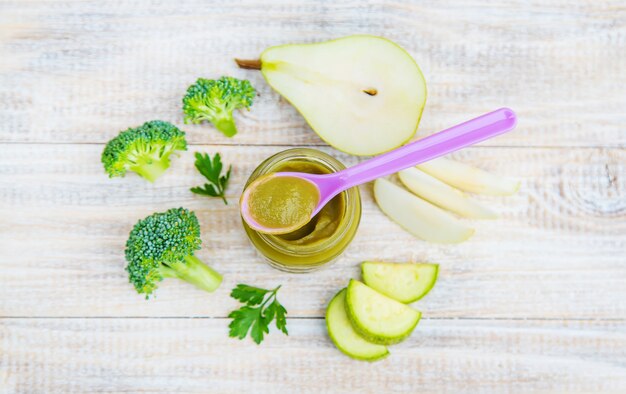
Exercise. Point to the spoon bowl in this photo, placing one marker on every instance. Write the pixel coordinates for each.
(323, 184)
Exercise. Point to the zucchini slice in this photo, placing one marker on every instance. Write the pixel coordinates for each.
(404, 282)
(343, 335)
(378, 318)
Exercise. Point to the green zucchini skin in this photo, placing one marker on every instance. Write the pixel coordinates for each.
(343, 335)
(366, 332)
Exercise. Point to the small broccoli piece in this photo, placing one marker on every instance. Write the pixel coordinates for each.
(145, 150)
(162, 246)
(214, 100)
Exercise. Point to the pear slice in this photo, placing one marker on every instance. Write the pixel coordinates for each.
(363, 95)
(420, 218)
(435, 191)
(404, 282)
(343, 335)
(378, 318)
(468, 178)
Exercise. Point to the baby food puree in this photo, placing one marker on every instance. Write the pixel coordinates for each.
(282, 202)
(321, 238)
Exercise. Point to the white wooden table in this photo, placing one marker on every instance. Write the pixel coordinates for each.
(534, 301)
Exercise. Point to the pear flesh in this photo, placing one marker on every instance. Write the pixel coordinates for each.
(419, 217)
(470, 179)
(435, 191)
(363, 95)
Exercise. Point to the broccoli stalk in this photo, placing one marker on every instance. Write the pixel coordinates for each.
(215, 100)
(226, 124)
(151, 170)
(145, 150)
(192, 270)
(150, 160)
(162, 246)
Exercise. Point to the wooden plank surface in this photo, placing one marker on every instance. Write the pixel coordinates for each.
(72, 222)
(533, 302)
(192, 355)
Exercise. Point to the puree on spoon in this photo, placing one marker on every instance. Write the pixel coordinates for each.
(282, 204)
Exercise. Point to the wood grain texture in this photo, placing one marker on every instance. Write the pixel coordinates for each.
(534, 302)
(79, 71)
(65, 225)
(192, 355)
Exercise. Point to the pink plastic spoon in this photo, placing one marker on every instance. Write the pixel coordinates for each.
(329, 185)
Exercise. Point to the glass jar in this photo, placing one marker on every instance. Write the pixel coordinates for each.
(329, 232)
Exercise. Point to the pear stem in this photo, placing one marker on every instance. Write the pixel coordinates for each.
(249, 64)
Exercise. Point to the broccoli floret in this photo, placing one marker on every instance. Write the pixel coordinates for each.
(145, 150)
(162, 246)
(214, 100)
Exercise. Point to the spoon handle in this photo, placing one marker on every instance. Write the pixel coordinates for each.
(465, 134)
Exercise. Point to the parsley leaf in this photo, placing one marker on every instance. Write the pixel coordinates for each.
(248, 294)
(212, 169)
(255, 317)
(281, 317)
(243, 319)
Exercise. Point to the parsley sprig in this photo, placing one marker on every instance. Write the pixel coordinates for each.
(261, 308)
(212, 169)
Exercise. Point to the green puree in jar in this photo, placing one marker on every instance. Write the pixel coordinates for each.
(282, 202)
(322, 225)
(326, 235)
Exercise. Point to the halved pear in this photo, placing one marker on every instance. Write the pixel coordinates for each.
(468, 178)
(343, 335)
(420, 218)
(435, 191)
(363, 95)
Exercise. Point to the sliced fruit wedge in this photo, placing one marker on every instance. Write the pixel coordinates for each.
(378, 318)
(468, 178)
(418, 217)
(345, 337)
(404, 282)
(437, 192)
